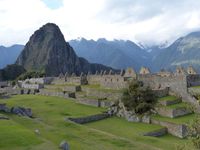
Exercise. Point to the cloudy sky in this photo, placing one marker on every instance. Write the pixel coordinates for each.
(146, 21)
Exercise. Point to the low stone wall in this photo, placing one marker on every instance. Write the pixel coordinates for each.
(170, 102)
(3, 84)
(90, 102)
(32, 86)
(161, 92)
(113, 82)
(11, 91)
(72, 88)
(45, 80)
(94, 102)
(180, 131)
(102, 94)
(173, 113)
(59, 94)
(87, 119)
(156, 133)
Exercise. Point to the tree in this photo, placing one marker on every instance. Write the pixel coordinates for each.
(138, 98)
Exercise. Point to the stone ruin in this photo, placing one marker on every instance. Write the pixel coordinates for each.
(191, 70)
(144, 70)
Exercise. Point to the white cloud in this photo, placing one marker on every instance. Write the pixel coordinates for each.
(150, 22)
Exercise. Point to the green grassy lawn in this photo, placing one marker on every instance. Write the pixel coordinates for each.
(50, 112)
(195, 87)
(134, 131)
(167, 98)
(179, 105)
(179, 120)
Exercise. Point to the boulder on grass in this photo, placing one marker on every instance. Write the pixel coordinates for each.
(64, 145)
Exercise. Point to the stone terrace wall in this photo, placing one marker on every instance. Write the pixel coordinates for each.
(72, 88)
(45, 80)
(161, 92)
(113, 82)
(102, 94)
(59, 94)
(94, 79)
(156, 133)
(193, 80)
(83, 120)
(177, 84)
(32, 86)
(174, 129)
(94, 102)
(173, 113)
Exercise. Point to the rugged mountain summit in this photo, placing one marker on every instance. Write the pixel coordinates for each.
(48, 51)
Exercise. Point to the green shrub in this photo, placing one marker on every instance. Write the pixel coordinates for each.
(138, 98)
(31, 74)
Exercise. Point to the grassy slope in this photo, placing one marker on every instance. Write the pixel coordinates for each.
(168, 98)
(179, 120)
(134, 132)
(18, 132)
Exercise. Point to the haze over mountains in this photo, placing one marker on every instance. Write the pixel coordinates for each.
(122, 54)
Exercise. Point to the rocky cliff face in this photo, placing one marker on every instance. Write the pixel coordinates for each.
(48, 51)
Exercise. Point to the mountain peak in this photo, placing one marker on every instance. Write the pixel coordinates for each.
(48, 51)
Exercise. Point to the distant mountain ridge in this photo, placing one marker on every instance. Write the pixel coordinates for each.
(119, 54)
(47, 51)
(183, 52)
(8, 55)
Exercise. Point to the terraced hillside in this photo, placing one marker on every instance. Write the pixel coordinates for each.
(173, 114)
(50, 115)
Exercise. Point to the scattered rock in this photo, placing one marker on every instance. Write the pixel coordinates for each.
(22, 111)
(4, 118)
(37, 131)
(64, 145)
(4, 108)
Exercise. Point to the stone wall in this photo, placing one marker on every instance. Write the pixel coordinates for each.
(94, 79)
(94, 102)
(3, 84)
(87, 119)
(180, 131)
(161, 92)
(90, 102)
(172, 113)
(113, 82)
(58, 94)
(193, 80)
(45, 80)
(72, 88)
(32, 86)
(102, 94)
(177, 84)
(156, 133)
